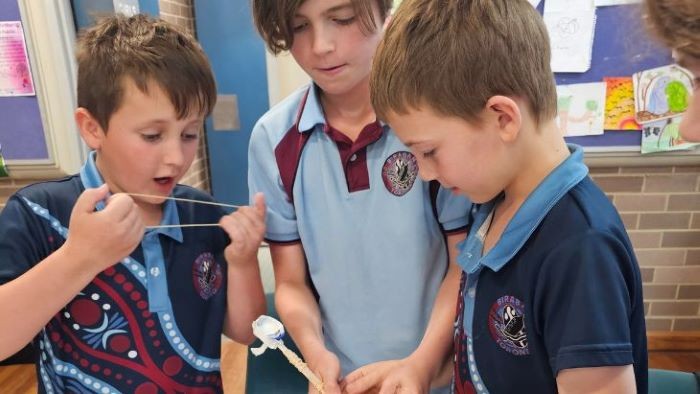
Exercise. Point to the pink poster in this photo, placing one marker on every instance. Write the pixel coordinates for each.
(15, 74)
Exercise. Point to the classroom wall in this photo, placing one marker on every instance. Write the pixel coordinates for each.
(661, 210)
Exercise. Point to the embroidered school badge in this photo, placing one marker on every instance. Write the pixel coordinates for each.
(207, 276)
(399, 173)
(507, 325)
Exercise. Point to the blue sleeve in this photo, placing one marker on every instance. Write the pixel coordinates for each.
(583, 302)
(453, 210)
(24, 240)
(264, 176)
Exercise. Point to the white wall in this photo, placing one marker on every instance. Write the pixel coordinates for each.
(283, 76)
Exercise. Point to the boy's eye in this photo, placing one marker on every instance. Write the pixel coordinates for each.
(297, 27)
(429, 154)
(150, 137)
(190, 136)
(344, 21)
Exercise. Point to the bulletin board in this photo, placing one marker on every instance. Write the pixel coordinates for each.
(21, 130)
(622, 46)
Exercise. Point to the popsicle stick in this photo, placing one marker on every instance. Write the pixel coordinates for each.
(302, 367)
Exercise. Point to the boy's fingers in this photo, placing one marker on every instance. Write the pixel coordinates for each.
(259, 200)
(389, 388)
(119, 205)
(90, 197)
(359, 384)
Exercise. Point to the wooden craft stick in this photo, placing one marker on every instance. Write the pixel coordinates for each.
(302, 367)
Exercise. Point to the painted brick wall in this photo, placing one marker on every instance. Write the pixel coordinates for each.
(661, 210)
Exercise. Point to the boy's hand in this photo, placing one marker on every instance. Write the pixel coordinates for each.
(406, 378)
(368, 378)
(246, 228)
(386, 377)
(327, 367)
(100, 239)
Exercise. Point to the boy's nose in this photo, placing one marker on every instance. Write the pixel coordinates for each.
(426, 173)
(174, 156)
(323, 42)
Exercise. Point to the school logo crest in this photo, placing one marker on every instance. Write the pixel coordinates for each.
(207, 276)
(507, 325)
(399, 173)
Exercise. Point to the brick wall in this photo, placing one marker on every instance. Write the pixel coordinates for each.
(181, 13)
(661, 210)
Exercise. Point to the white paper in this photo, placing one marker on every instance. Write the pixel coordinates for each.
(568, 5)
(571, 37)
(535, 3)
(15, 73)
(126, 7)
(581, 108)
(603, 3)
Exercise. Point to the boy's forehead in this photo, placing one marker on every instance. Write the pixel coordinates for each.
(323, 7)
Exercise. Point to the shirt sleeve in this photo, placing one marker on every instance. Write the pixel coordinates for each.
(23, 240)
(453, 211)
(264, 176)
(583, 302)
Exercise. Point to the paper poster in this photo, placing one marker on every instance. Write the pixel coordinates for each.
(15, 74)
(571, 37)
(568, 5)
(126, 7)
(619, 104)
(664, 136)
(661, 93)
(603, 3)
(581, 108)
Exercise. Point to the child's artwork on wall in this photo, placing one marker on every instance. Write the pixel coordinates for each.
(581, 108)
(664, 136)
(15, 73)
(571, 36)
(661, 93)
(619, 104)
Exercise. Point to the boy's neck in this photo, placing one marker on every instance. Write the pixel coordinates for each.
(152, 214)
(349, 112)
(542, 151)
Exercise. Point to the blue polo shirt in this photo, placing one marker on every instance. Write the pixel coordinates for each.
(561, 289)
(150, 323)
(372, 231)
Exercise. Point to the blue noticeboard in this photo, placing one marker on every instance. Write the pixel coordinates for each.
(622, 47)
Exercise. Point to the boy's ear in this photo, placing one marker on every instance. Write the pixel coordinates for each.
(506, 116)
(90, 129)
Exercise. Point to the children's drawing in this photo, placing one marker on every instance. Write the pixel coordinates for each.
(661, 93)
(663, 136)
(571, 37)
(581, 108)
(619, 104)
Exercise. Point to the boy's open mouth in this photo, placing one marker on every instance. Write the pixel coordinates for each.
(163, 180)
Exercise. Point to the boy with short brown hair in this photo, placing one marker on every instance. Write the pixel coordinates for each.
(103, 269)
(551, 295)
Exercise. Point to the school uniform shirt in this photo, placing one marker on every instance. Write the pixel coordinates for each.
(372, 231)
(150, 323)
(560, 289)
